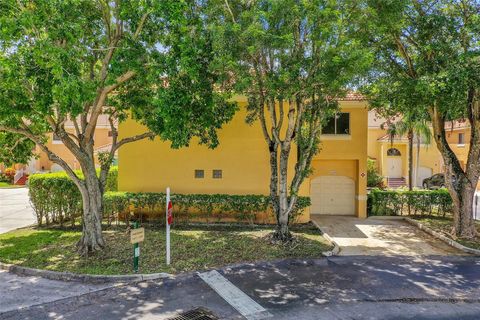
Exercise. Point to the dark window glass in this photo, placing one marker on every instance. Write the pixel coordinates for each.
(217, 174)
(339, 124)
(461, 138)
(110, 133)
(343, 123)
(329, 127)
(199, 174)
(393, 152)
(56, 138)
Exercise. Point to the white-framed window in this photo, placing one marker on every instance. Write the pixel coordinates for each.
(338, 124)
(461, 139)
(56, 139)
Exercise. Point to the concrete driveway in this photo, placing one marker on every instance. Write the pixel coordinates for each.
(15, 209)
(386, 237)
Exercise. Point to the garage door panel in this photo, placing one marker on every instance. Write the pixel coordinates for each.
(334, 195)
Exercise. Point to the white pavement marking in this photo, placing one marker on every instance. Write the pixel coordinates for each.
(234, 296)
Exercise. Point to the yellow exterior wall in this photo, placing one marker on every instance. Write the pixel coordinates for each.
(151, 166)
(373, 145)
(430, 157)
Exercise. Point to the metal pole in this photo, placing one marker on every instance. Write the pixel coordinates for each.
(167, 226)
(136, 251)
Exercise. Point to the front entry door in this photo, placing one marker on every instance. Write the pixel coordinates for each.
(394, 165)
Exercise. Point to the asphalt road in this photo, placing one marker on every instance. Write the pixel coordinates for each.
(15, 209)
(336, 288)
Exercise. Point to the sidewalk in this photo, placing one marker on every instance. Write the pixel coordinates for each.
(15, 209)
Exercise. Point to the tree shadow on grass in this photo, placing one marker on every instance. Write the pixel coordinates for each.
(195, 248)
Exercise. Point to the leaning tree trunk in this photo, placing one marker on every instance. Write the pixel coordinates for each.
(92, 196)
(463, 221)
(462, 190)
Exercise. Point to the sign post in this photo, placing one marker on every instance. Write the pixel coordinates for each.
(137, 235)
(169, 221)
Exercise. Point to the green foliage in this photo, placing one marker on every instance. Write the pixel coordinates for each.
(374, 179)
(212, 207)
(112, 179)
(426, 53)
(416, 202)
(56, 199)
(15, 148)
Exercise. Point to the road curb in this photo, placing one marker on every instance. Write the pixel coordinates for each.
(442, 237)
(336, 247)
(85, 278)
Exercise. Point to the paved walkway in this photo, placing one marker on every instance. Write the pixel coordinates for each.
(334, 288)
(385, 237)
(15, 209)
(18, 292)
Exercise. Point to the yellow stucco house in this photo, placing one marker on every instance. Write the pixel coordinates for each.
(41, 163)
(240, 164)
(392, 158)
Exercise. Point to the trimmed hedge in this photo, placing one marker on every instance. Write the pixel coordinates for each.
(211, 207)
(404, 202)
(56, 199)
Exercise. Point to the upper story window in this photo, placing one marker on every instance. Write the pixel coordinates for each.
(339, 124)
(461, 138)
(56, 139)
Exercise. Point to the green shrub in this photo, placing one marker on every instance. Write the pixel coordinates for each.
(212, 207)
(404, 202)
(112, 179)
(56, 199)
(374, 179)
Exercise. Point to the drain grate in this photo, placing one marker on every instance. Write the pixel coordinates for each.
(196, 314)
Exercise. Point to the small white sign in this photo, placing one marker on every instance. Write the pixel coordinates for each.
(137, 252)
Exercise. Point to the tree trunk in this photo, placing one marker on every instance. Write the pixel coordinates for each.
(417, 165)
(283, 232)
(410, 160)
(273, 150)
(462, 190)
(463, 222)
(92, 196)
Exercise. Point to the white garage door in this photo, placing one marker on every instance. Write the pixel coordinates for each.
(423, 173)
(332, 195)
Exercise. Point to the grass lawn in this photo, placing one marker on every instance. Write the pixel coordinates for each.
(8, 185)
(444, 225)
(193, 248)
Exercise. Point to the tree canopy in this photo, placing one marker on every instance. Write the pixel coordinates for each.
(292, 59)
(427, 64)
(65, 63)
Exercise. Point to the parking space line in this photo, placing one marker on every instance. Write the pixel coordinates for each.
(234, 296)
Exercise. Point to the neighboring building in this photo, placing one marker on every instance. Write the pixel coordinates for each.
(240, 164)
(102, 140)
(41, 163)
(392, 156)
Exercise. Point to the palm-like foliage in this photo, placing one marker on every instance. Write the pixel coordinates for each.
(418, 130)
